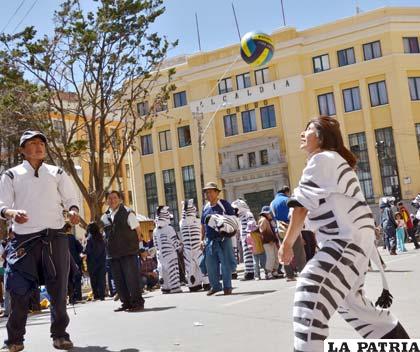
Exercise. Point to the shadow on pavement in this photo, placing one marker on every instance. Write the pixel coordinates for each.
(251, 293)
(101, 349)
(392, 271)
(156, 309)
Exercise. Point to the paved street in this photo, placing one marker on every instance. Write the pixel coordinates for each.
(257, 317)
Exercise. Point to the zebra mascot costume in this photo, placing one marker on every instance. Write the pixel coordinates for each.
(190, 226)
(333, 279)
(245, 215)
(167, 245)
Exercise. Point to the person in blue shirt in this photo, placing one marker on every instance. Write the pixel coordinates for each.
(218, 251)
(279, 206)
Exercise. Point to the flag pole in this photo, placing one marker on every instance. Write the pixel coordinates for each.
(198, 31)
(236, 22)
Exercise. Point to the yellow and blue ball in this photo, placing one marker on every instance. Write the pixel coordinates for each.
(256, 48)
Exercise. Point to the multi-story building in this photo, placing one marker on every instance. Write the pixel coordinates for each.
(363, 71)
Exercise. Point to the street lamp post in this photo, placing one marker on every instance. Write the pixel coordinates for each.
(199, 117)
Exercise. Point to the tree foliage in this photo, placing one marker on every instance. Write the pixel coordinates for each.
(81, 85)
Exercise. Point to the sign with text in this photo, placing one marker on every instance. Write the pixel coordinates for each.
(248, 95)
(371, 345)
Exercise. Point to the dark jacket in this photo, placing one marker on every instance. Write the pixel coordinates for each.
(121, 240)
(75, 248)
(95, 252)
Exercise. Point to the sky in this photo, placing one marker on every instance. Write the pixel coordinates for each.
(215, 17)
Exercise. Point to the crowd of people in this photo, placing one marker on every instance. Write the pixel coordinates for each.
(306, 236)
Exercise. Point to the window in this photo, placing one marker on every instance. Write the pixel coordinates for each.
(351, 98)
(165, 140)
(143, 108)
(151, 194)
(346, 57)
(184, 136)
(180, 99)
(321, 63)
(146, 144)
(58, 126)
(231, 125)
(171, 198)
(130, 197)
(262, 76)
(249, 123)
(378, 94)
(252, 162)
(326, 104)
(188, 177)
(414, 85)
(268, 116)
(372, 50)
(358, 146)
(113, 136)
(264, 157)
(107, 170)
(388, 166)
(418, 135)
(225, 85)
(127, 170)
(243, 81)
(240, 161)
(161, 106)
(411, 45)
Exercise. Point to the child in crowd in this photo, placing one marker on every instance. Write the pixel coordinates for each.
(400, 232)
(254, 241)
(148, 268)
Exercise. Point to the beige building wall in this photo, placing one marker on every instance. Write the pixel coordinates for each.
(293, 89)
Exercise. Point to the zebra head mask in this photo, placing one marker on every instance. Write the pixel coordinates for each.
(188, 209)
(163, 216)
(225, 225)
(241, 207)
(416, 202)
(386, 202)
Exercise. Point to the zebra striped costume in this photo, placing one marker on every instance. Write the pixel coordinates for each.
(245, 215)
(190, 236)
(167, 245)
(333, 279)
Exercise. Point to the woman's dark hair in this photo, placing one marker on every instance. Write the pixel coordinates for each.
(330, 138)
(93, 229)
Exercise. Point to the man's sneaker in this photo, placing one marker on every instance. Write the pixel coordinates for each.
(227, 291)
(137, 308)
(12, 348)
(116, 297)
(122, 308)
(269, 276)
(62, 343)
(211, 292)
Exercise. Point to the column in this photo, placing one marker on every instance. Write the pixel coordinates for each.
(370, 139)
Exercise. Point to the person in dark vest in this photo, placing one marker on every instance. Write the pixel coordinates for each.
(95, 253)
(34, 194)
(123, 235)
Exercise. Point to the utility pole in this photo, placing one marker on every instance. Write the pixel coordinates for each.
(199, 117)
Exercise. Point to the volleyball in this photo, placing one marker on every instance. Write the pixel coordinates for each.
(256, 48)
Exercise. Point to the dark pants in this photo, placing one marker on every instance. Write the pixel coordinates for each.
(111, 283)
(390, 239)
(412, 234)
(56, 288)
(97, 281)
(75, 284)
(126, 273)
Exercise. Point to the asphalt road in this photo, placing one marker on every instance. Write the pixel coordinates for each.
(257, 317)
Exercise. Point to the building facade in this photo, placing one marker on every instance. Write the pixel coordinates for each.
(363, 71)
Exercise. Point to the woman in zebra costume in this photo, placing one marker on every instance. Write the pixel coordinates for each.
(167, 245)
(245, 215)
(329, 194)
(190, 226)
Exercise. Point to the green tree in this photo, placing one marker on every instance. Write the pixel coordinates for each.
(85, 82)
